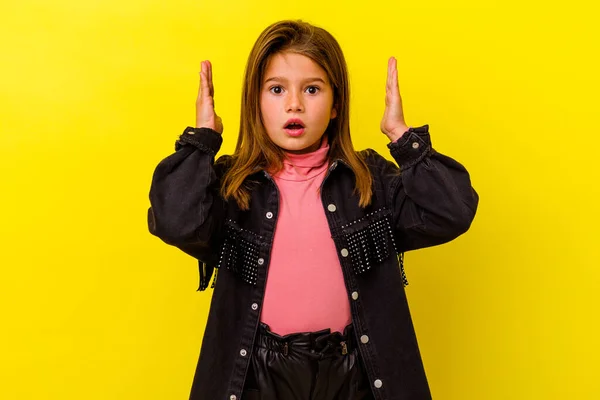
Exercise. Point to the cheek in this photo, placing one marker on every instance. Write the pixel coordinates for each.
(267, 109)
(325, 109)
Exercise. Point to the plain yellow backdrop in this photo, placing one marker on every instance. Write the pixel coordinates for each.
(94, 94)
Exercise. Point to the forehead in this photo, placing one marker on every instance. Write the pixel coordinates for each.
(293, 66)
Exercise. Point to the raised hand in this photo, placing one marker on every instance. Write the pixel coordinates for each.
(392, 123)
(205, 103)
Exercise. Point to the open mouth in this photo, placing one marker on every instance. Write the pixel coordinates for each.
(294, 127)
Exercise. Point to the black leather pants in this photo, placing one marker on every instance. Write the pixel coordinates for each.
(306, 366)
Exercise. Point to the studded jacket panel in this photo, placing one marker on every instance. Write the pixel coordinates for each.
(423, 199)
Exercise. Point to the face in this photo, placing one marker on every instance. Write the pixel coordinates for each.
(296, 102)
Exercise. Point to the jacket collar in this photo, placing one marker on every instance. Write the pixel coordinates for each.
(262, 172)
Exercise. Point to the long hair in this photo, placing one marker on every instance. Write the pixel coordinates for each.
(254, 149)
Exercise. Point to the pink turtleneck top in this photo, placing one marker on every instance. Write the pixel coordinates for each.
(305, 287)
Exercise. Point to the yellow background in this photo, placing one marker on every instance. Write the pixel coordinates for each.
(94, 93)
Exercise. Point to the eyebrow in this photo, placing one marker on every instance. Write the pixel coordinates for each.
(282, 79)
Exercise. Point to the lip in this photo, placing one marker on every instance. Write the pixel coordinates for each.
(294, 132)
(296, 121)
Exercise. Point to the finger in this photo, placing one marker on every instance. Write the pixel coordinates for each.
(389, 76)
(200, 83)
(210, 79)
(205, 84)
(211, 87)
(389, 89)
(396, 83)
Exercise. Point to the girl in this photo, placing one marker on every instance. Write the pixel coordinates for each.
(306, 233)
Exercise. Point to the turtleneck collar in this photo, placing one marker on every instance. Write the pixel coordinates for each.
(302, 167)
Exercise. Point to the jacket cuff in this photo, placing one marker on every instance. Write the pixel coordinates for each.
(204, 139)
(412, 147)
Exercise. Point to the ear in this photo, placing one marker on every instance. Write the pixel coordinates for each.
(333, 112)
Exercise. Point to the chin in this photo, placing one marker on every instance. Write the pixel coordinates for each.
(296, 144)
(292, 144)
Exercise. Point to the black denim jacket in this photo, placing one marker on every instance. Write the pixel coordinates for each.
(427, 201)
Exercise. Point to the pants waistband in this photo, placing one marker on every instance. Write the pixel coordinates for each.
(322, 342)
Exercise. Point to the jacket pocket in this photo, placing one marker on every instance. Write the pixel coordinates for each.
(240, 252)
(370, 242)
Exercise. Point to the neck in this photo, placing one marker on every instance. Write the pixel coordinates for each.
(305, 165)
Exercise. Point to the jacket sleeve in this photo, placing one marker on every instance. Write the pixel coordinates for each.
(186, 209)
(430, 194)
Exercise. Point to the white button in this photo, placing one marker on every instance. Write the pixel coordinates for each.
(331, 207)
(354, 295)
(269, 215)
(243, 352)
(261, 261)
(364, 339)
(415, 145)
(344, 252)
(254, 306)
(378, 383)
(233, 397)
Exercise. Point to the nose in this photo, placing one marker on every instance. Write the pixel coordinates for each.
(294, 102)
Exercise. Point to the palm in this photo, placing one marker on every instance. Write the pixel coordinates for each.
(206, 117)
(392, 123)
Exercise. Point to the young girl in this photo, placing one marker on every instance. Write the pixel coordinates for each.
(307, 234)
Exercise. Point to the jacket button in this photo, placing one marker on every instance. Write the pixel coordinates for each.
(243, 352)
(344, 252)
(233, 397)
(415, 145)
(261, 261)
(254, 306)
(378, 383)
(364, 339)
(269, 215)
(331, 207)
(354, 295)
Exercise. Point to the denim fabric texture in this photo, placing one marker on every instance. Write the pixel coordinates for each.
(423, 199)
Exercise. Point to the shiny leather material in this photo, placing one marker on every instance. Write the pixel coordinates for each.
(306, 366)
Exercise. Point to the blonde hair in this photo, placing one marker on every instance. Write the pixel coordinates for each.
(254, 149)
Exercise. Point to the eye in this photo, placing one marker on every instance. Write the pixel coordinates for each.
(276, 89)
(313, 89)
